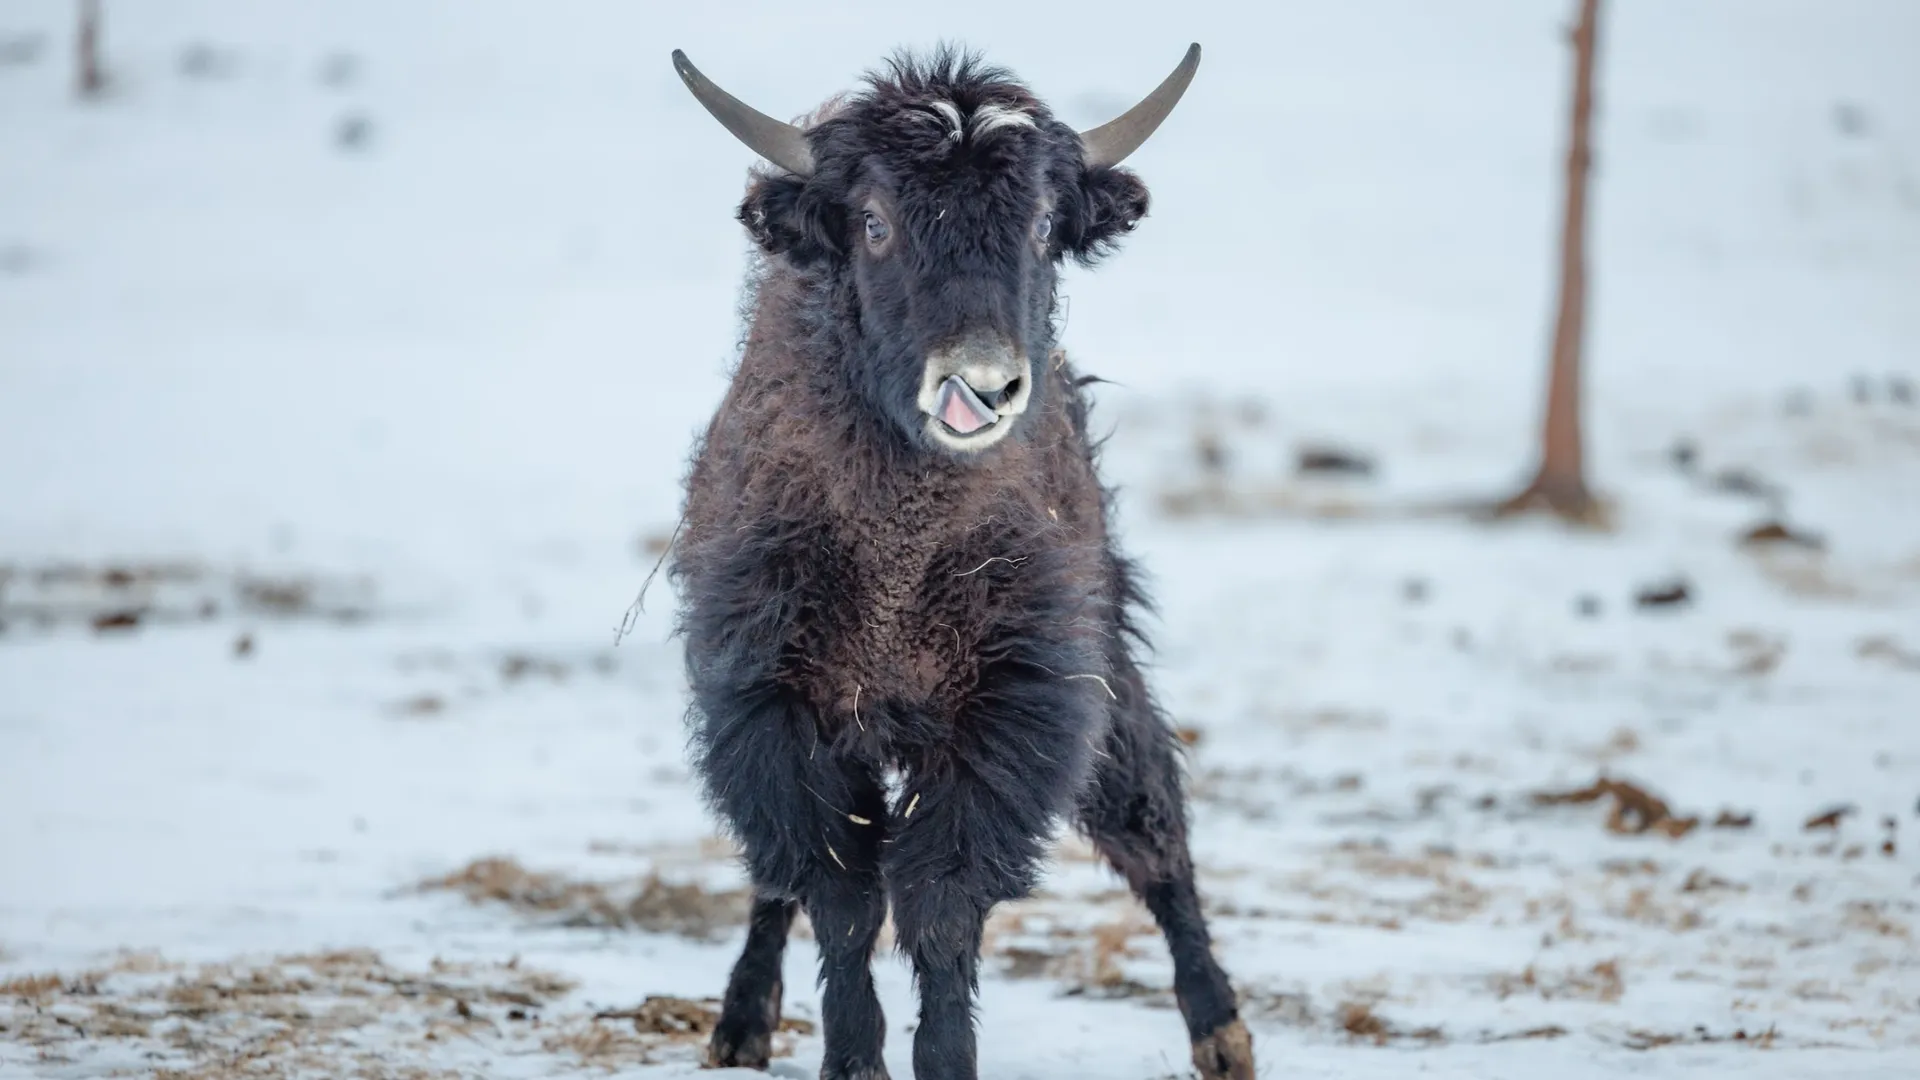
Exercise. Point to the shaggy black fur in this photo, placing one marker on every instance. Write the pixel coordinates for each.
(909, 663)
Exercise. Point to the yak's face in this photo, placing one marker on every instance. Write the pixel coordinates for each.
(940, 203)
(950, 245)
(946, 198)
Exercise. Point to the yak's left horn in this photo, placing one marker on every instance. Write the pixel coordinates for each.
(781, 143)
(1111, 142)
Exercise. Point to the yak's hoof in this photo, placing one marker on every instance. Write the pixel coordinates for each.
(1227, 1054)
(735, 1049)
(874, 1072)
(746, 1042)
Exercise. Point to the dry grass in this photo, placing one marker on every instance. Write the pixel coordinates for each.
(598, 1044)
(1362, 1023)
(1873, 918)
(685, 1018)
(1086, 961)
(1773, 531)
(1454, 897)
(1888, 650)
(32, 987)
(1642, 1039)
(1804, 574)
(1756, 652)
(657, 1029)
(421, 705)
(1829, 818)
(1702, 880)
(126, 596)
(1635, 810)
(1550, 1031)
(1602, 982)
(650, 904)
(342, 1013)
(1623, 742)
(1646, 907)
(1213, 500)
(1729, 818)
(308, 1014)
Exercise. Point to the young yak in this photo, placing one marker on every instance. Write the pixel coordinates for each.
(909, 634)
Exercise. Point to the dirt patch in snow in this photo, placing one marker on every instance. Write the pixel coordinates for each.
(1600, 982)
(1359, 1020)
(342, 1013)
(1633, 811)
(1886, 649)
(658, 1029)
(651, 903)
(125, 596)
(1086, 959)
(1643, 1039)
(336, 1013)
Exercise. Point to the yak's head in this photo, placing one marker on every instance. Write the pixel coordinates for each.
(944, 197)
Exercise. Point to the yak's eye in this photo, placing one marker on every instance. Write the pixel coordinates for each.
(1043, 228)
(877, 230)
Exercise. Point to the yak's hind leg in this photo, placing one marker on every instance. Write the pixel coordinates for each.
(750, 1013)
(1135, 813)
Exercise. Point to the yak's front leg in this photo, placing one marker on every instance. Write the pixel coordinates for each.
(750, 1013)
(846, 913)
(969, 831)
(810, 824)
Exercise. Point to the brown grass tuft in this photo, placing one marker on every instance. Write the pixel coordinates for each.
(1888, 649)
(658, 1025)
(1360, 1021)
(34, 988)
(1830, 818)
(1635, 811)
(1601, 982)
(685, 1018)
(1642, 1039)
(650, 904)
(324, 1014)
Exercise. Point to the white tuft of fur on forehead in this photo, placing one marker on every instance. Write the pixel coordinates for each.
(990, 118)
(950, 113)
(985, 120)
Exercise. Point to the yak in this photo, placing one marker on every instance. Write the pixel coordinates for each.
(911, 641)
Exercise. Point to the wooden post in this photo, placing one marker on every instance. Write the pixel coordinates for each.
(1560, 486)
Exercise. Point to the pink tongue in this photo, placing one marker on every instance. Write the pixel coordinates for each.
(961, 410)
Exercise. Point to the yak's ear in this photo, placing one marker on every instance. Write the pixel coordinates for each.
(1112, 201)
(786, 218)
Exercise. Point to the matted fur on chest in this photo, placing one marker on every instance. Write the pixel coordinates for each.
(915, 620)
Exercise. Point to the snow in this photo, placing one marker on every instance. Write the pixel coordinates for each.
(440, 384)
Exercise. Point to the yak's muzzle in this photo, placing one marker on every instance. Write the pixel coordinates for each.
(971, 392)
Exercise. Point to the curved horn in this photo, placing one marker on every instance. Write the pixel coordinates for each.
(782, 144)
(1111, 142)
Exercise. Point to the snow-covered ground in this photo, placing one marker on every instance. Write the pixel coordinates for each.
(357, 347)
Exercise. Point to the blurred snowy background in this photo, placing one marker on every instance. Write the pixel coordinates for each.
(349, 358)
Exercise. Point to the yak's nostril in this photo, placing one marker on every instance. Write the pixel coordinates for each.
(995, 399)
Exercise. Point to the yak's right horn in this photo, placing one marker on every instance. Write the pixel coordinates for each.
(781, 143)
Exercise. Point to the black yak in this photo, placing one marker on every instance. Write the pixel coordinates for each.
(909, 635)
